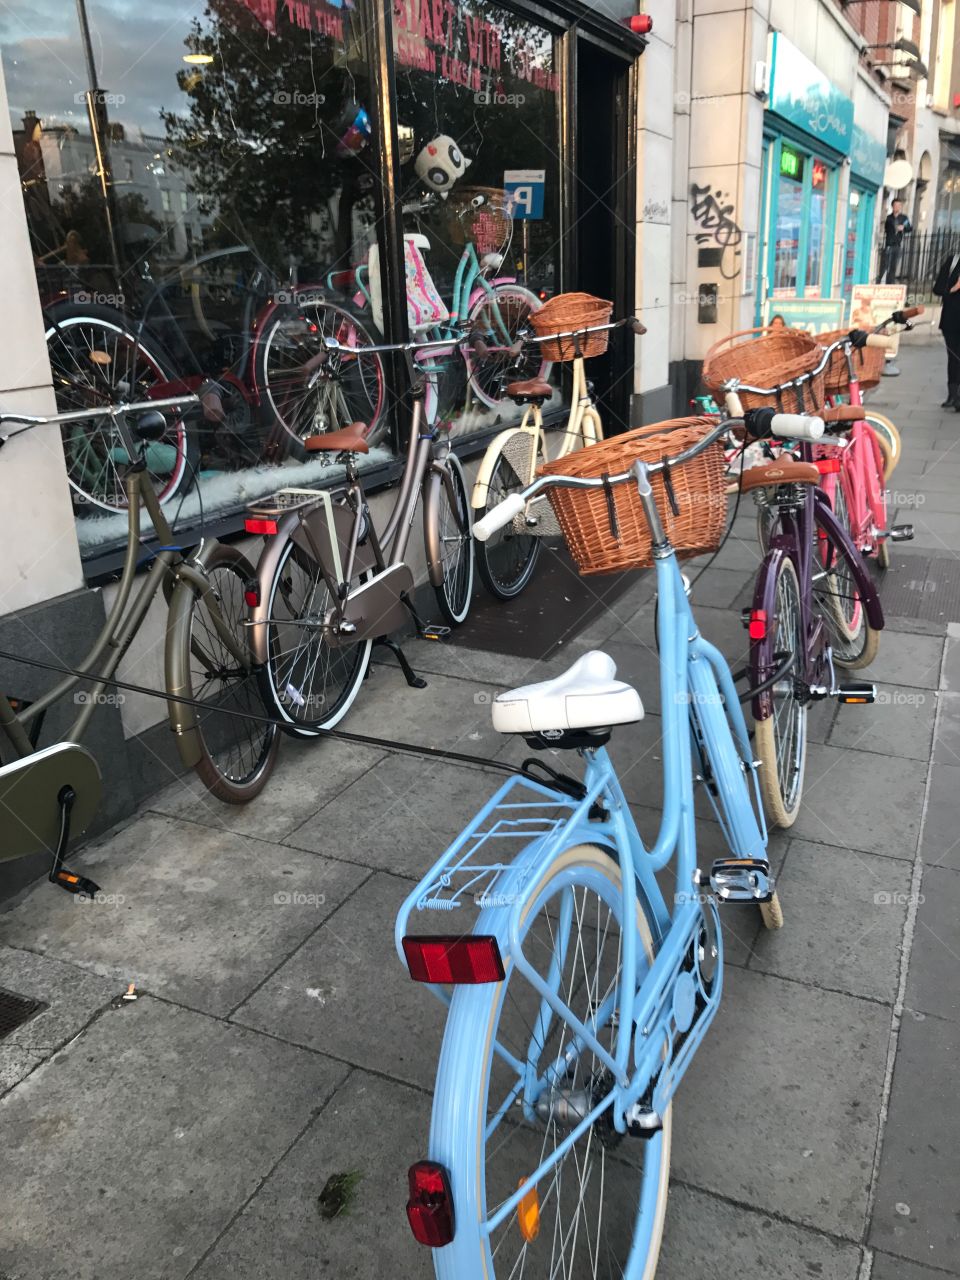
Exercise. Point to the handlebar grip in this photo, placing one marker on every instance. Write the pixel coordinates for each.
(878, 340)
(638, 328)
(797, 426)
(508, 510)
(911, 312)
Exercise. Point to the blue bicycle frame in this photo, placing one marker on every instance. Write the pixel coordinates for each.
(672, 1000)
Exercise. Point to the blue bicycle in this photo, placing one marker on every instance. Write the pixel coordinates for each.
(579, 993)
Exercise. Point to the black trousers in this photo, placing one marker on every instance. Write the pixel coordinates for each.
(889, 261)
(952, 338)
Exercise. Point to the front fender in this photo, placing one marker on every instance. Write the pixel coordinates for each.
(481, 485)
(762, 662)
(831, 526)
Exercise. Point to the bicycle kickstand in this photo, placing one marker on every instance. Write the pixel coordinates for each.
(411, 677)
(59, 874)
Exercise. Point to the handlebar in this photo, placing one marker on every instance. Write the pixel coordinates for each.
(107, 410)
(759, 424)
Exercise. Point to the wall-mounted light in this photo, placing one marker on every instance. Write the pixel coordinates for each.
(641, 24)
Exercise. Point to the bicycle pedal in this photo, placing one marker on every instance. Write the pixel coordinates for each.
(856, 692)
(901, 533)
(742, 880)
(434, 631)
(73, 883)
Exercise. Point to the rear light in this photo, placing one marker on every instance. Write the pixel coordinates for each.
(758, 624)
(827, 466)
(430, 1207)
(251, 593)
(264, 527)
(463, 961)
(641, 24)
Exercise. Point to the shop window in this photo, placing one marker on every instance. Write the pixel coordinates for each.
(477, 109)
(788, 215)
(816, 229)
(258, 109)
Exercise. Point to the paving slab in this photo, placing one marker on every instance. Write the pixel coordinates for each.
(899, 723)
(346, 993)
(186, 912)
(844, 912)
(907, 660)
(941, 828)
(886, 818)
(401, 817)
(128, 1152)
(755, 1246)
(779, 1109)
(307, 775)
(71, 996)
(886, 1267)
(915, 1215)
(946, 746)
(933, 982)
(371, 1127)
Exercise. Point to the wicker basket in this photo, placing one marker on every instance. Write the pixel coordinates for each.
(767, 358)
(698, 486)
(867, 361)
(564, 314)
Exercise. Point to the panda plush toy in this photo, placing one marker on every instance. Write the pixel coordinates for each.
(440, 164)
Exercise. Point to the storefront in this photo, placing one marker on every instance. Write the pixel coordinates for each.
(808, 131)
(213, 188)
(868, 158)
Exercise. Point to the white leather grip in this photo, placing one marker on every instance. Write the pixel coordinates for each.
(502, 514)
(797, 426)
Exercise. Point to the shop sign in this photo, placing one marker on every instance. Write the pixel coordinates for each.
(802, 94)
(525, 188)
(814, 315)
(872, 303)
(868, 157)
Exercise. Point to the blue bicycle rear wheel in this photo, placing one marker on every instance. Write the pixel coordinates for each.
(598, 1208)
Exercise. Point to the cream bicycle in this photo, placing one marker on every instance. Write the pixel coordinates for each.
(506, 561)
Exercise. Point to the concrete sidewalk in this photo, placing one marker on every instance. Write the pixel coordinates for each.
(277, 1041)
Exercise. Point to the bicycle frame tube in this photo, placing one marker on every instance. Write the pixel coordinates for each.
(396, 533)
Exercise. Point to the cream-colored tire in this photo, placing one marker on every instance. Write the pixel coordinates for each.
(772, 913)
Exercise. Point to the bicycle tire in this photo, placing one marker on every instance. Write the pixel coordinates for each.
(781, 737)
(297, 591)
(455, 591)
(237, 755)
(466, 1075)
(507, 560)
(355, 391)
(488, 379)
(76, 332)
(854, 642)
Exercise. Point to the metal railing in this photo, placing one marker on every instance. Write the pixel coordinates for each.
(918, 261)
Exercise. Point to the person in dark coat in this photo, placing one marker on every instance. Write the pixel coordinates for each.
(947, 287)
(895, 225)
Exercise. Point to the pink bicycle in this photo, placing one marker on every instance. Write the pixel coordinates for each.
(857, 487)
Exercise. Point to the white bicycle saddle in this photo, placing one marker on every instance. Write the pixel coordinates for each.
(587, 696)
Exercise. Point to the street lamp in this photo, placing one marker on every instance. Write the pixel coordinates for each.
(912, 5)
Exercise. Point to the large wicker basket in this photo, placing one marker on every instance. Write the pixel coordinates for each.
(602, 540)
(867, 363)
(566, 313)
(767, 358)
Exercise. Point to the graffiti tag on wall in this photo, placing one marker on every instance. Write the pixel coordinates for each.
(717, 226)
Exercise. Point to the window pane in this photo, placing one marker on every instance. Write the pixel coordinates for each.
(787, 244)
(477, 95)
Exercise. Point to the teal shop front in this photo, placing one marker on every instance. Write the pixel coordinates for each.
(868, 158)
(808, 132)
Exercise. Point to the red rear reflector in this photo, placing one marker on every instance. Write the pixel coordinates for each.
(264, 527)
(828, 466)
(439, 958)
(641, 24)
(758, 624)
(430, 1207)
(251, 593)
